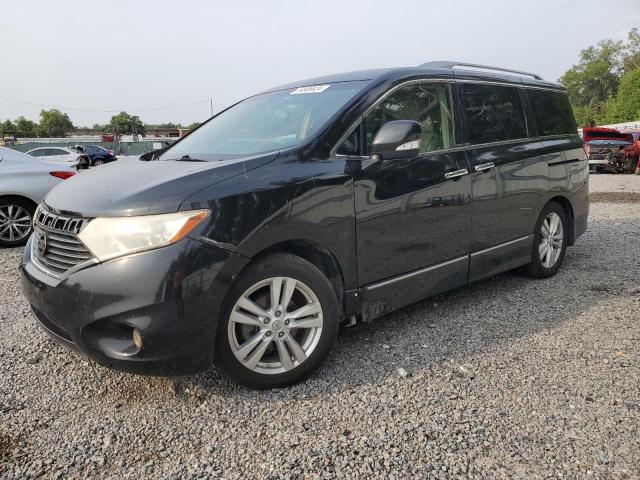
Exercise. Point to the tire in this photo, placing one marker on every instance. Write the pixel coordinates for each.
(543, 266)
(98, 162)
(273, 353)
(630, 164)
(15, 229)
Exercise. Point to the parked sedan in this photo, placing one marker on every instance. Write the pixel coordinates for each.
(24, 181)
(61, 155)
(97, 154)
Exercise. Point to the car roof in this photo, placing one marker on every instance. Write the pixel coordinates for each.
(51, 146)
(442, 69)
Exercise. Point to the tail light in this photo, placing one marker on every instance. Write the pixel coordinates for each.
(63, 175)
(586, 149)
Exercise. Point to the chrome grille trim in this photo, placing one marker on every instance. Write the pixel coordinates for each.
(64, 253)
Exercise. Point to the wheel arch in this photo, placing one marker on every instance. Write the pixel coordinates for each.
(565, 203)
(24, 198)
(316, 254)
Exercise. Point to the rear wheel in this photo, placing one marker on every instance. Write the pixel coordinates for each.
(16, 219)
(549, 242)
(630, 164)
(279, 324)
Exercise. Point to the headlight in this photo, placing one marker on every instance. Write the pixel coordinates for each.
(113, 237)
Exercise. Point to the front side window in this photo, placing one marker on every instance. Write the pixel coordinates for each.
(552, 112)
(426, 103)
(266, 122)
(494, 113)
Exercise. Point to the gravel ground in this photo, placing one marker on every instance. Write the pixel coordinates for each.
(506, 378)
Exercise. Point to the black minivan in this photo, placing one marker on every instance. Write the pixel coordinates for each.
(343, 198)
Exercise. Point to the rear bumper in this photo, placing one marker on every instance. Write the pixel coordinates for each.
(171, 296)
(598, 162)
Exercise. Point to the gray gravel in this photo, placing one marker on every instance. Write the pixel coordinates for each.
(507, 378)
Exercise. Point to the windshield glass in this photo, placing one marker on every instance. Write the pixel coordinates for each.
(266, 122)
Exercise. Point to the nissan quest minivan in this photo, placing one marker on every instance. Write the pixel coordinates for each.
(248, 242)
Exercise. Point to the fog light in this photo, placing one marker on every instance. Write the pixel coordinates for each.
(137, 339)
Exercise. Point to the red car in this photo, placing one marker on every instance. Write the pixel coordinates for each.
(611, 150)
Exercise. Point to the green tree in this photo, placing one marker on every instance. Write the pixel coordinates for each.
(625, 106)
(7, 129)
(194, 125)
(54, 123)
(631, 51)
(593, 81)
(125, 124)
(26, 128)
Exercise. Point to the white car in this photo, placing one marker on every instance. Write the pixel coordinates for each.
(24, 181)
(60, 154)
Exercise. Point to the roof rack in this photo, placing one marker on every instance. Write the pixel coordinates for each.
(451, 65)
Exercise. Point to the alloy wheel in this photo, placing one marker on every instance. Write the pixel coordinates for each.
(275, 325)
(15, 223)
(551, 240)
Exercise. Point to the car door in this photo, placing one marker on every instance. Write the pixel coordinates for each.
(509, 177)
(412, 214)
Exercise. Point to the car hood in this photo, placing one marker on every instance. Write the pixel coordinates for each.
(136, 187)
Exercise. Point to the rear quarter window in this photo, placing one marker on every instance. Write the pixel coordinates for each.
(552, 112)
(494, 113)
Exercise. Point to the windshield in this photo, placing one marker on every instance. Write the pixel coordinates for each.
(266, 122)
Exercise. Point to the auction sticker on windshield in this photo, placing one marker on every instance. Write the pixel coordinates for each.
(310, 89)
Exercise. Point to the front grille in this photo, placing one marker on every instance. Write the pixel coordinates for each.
(56, 245)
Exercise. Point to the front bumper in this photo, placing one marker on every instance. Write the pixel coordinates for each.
(171, 296)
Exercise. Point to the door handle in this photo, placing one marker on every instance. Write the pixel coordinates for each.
(485, 166)
(456, 173)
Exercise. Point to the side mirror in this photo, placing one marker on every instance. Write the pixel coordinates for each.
(397, 139)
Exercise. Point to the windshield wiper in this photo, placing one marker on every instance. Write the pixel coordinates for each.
(184, 158)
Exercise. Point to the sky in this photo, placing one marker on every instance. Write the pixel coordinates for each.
(145, 57)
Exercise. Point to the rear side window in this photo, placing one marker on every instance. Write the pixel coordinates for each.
(552, 112)
(494, 113)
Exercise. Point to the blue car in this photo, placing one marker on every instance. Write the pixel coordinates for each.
(97, 155)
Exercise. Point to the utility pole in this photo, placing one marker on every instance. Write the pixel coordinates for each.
(211, 105)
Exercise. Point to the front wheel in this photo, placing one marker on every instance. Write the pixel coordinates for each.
(549, 242)
(16, 219)
(279, 324)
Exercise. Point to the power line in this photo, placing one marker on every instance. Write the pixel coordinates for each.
(44, 105)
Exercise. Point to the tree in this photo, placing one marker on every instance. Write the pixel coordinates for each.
(631, 53)
(194, 125)
(125, 124)
(625, 106)
(7, 129)
(593, 83)
(54, 123)
(26, 128)
(594, 80)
